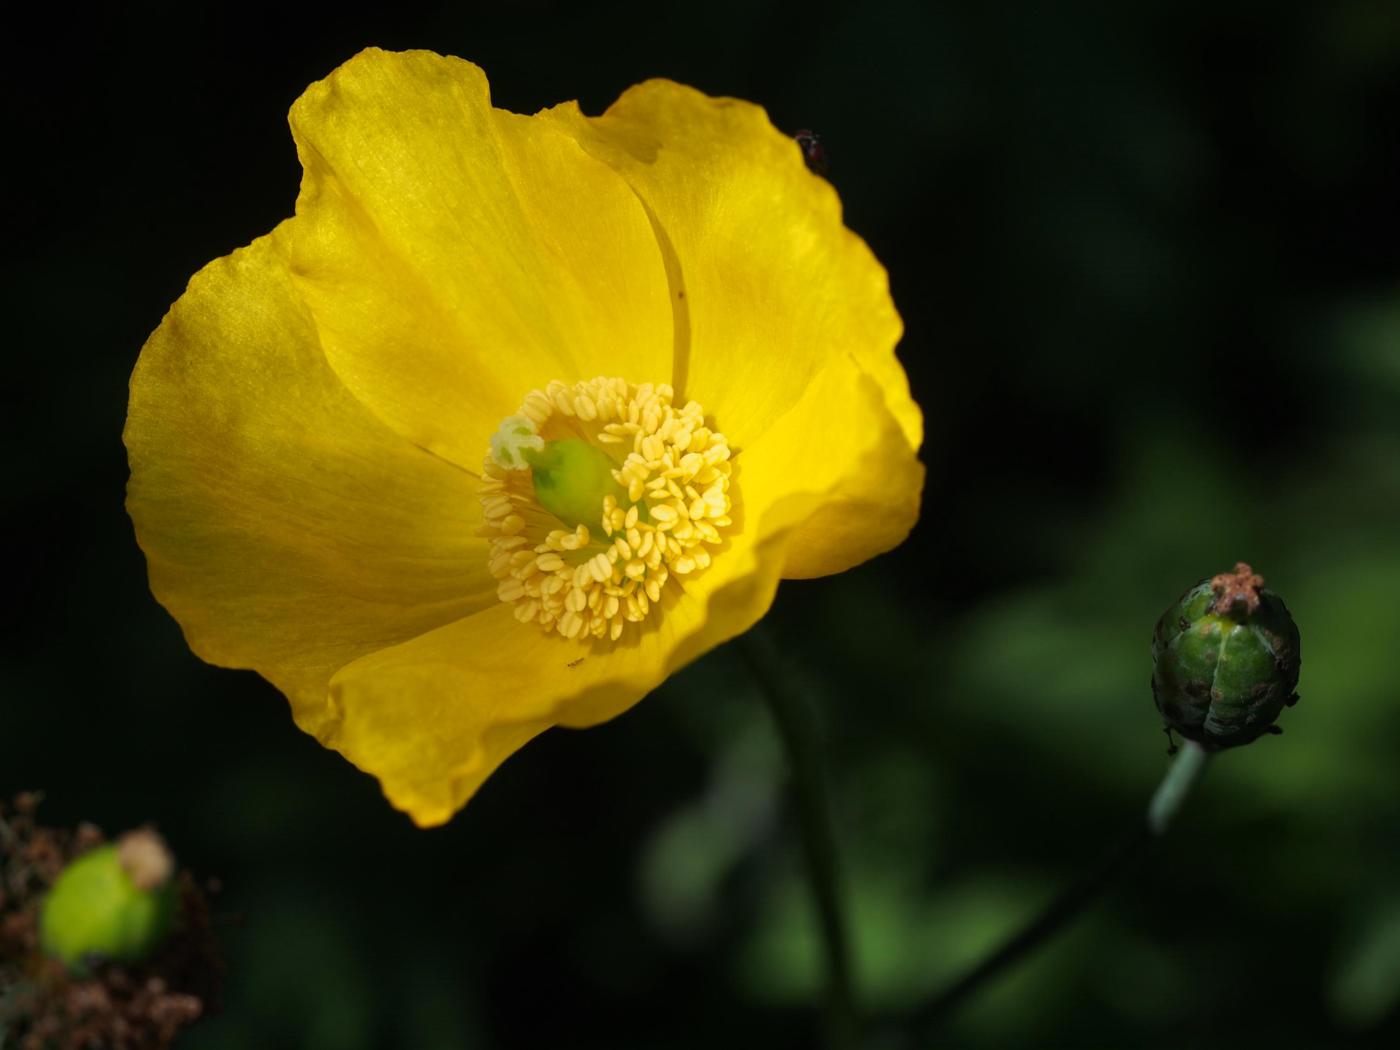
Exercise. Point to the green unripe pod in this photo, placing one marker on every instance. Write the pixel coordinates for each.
(116, 902)
(1225, 661)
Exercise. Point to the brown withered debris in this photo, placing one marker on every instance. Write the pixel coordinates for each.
(129, 1007)
(1240, 587)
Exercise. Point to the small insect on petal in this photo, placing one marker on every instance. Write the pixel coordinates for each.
(813, 151)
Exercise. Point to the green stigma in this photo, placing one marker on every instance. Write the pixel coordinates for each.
(572, 477)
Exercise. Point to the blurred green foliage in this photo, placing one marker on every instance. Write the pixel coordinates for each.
(1146, 258)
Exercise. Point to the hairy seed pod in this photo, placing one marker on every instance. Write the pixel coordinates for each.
(1225, 660)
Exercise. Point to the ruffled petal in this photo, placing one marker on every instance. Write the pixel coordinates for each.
(456, 256)
(845, 470)
(433, 717)
(774, 286)
(285, 527)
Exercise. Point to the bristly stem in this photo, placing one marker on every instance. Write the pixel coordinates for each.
(1176, 785)
(796, 724)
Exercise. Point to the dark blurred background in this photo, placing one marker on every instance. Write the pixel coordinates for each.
(1147, 258)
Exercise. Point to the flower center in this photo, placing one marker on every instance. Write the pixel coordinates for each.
(600, 497)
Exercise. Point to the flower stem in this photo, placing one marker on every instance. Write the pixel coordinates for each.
(797, 726)
(1166, 801)
(1175, 786)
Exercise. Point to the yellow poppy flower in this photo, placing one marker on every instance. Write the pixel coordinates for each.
(515, 417)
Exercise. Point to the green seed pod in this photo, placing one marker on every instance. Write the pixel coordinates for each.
(1225, 661)
(116, 902)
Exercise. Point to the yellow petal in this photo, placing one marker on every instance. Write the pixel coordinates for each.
(286, 528)
(774, 286)
(842, 468)
(433, 717)
(456, 256)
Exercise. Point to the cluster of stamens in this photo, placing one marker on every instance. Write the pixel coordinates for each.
(668, 511)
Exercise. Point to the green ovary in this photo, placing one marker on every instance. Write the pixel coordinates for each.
(571, 478)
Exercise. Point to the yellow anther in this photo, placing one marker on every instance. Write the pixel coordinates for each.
(653, 531)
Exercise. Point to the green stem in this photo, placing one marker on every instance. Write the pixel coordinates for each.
(1176, 786)
(796, 724)
(1180, 778)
